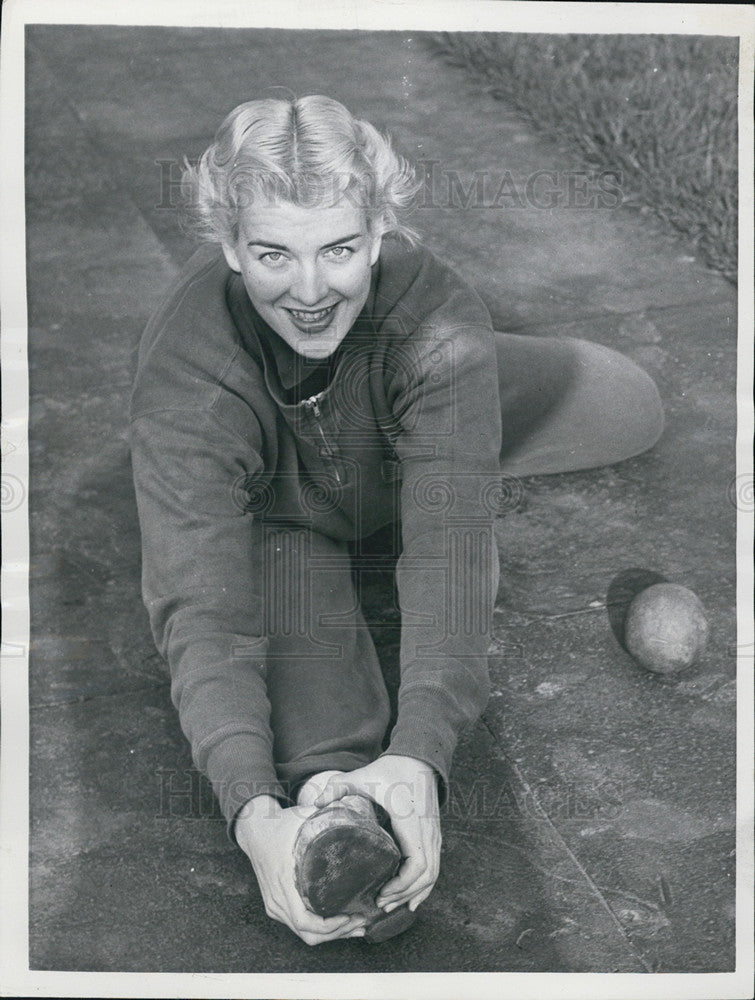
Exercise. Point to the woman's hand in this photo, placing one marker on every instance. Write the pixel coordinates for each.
(408, 791)
(266, 832)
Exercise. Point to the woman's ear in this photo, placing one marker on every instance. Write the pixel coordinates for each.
(231, 258)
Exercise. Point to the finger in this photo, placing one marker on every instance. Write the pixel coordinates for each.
(418, 875)
(349, 930)
(412, 896)
(308, 921)
(336, 788)
(297, 917)
(317, 930)
(417, 900)
(305, 920)
(315, 939)
(406, 883)
(393, 902)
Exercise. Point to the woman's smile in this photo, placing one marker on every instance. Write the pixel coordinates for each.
(313, 320)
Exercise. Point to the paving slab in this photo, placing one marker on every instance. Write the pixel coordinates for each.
(590, 825)
(132, 869)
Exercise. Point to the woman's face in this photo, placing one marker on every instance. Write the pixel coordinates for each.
(306, 270)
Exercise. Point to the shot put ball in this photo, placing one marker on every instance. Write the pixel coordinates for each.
(666, 628)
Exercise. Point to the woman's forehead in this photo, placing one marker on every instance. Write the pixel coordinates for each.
(286, 223)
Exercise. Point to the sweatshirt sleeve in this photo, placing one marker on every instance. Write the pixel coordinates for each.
(448, 410)
(202, 588)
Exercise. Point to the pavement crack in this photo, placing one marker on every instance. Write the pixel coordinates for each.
(563, 846)
(551, 874)
(82, 699)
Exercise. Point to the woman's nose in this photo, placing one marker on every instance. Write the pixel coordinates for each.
(309, 287)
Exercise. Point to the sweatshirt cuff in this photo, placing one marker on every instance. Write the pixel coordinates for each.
(240, 768)
(422, 732)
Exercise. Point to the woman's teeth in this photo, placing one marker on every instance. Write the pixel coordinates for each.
(311, 317)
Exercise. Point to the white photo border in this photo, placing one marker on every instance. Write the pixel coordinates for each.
(393, 15)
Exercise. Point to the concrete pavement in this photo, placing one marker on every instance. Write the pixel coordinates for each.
(591, 824)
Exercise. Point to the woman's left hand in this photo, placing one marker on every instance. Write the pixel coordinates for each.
(408, 791)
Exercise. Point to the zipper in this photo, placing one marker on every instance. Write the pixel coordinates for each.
(313, 405)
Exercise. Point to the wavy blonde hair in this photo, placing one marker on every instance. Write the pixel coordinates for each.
(309, 151)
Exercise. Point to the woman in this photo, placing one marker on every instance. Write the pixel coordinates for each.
(314, 375)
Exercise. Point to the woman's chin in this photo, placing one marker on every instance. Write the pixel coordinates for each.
(316, 347)
(319, 354)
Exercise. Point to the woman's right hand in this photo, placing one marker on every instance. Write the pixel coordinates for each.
(266, 832)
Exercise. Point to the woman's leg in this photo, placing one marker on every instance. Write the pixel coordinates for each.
(329, 705)
(570, 404)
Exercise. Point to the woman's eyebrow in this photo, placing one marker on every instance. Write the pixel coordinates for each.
(264, 243)
(327, 246)
(344, 239)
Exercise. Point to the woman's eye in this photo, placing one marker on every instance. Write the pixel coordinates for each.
(340, 252)
(272, 257)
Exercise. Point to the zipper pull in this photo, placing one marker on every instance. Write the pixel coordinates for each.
(314, 405)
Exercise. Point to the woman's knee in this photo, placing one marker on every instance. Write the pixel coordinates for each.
(626, 407)
(609, 409)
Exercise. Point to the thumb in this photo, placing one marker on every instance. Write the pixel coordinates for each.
(338, 787)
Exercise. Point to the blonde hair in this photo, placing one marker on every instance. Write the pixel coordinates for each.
(308, 151)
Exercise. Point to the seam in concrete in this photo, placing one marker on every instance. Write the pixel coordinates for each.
(94, 140)
(98, 697)
(621, 893)
(590, 317)
(559, 840)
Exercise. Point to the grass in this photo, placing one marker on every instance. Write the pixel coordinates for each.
(660, 108)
